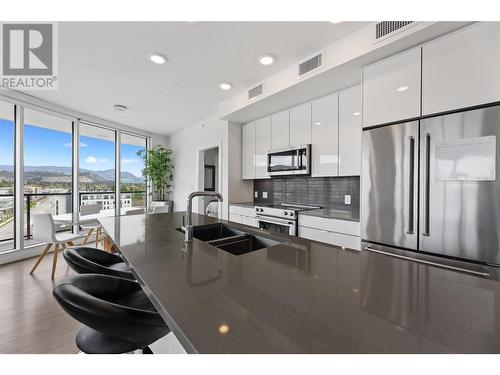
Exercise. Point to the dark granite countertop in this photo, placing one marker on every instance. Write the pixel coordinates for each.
(304, 296)
(330, 213)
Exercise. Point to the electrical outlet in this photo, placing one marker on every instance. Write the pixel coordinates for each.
(255, 194)
(264, 194)
(347, 199)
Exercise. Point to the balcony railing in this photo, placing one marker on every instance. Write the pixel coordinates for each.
(45, 202)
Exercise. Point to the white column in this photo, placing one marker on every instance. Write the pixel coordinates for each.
(117, 172)
(19, 177)
(76, 171)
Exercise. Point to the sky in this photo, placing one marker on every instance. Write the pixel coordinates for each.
(44, 147)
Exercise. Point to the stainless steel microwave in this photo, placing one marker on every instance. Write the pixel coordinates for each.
(290, 161)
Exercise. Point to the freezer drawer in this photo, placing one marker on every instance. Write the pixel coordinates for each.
(389, 185)
(459, 187)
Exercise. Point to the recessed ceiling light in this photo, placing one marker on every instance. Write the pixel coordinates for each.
(334, 22)
(225, 86)
(157, 58)
(120, 107)
(266, 59)
(356, 113)
(402, 88)
(317, 123)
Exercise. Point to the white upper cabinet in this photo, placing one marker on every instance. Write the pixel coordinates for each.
(350, 131)
(325, 133)
(300, 125)
(462, 69)
(262, 146)
(280, 130)
(391, 89)
(248, 151)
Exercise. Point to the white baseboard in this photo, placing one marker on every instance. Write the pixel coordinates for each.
(15, 255)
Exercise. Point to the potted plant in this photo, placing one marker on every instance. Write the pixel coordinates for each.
(159, 170)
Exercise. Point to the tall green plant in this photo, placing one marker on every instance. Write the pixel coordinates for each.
(159, 170)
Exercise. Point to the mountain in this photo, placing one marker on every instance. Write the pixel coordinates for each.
(50, 170)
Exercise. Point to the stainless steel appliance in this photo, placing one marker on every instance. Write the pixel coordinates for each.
(430, 186)
(290, 161)
(280, 218)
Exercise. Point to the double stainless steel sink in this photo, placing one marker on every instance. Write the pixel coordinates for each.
(234, 241)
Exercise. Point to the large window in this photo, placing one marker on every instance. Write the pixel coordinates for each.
(132, 184)
(48, 144)
(6, 176)
(47, 167)
(97, 168)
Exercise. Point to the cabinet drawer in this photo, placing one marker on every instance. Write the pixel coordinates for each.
(240, 210)
(332, 225)
(235, 218)
(332, 238)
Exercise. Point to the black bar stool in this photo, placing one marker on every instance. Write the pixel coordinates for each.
(117, 315)
(92, 260)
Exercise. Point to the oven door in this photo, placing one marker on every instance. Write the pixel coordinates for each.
(290, 161)
(274, 224)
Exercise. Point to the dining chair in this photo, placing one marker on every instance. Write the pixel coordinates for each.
(160, 209)
(44, 230)
(90, 227)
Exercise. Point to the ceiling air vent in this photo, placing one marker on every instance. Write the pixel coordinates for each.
(386, 27)
(256, 91)
(311, 64)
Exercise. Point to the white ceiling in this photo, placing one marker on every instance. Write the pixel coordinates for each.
(106, 63)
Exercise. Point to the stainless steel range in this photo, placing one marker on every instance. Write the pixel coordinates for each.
(281, 218)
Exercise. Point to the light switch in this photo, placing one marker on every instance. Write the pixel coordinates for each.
(264, 194)
(347, 199)
(255, 194)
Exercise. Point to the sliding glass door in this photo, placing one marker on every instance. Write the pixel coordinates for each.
(7, 220)
(48, 168)
(97, 168)
(132, 184)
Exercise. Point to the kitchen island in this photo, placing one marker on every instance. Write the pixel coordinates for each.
(302, 296)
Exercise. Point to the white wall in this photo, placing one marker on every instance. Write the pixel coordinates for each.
(159, 140)
(209, 133)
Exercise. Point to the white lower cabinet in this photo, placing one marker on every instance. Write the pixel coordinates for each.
(247, 220)
(242, 215)
(235, 218)
(331, 231)
(168, 344)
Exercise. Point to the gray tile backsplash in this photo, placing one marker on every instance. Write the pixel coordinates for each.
(327, 192)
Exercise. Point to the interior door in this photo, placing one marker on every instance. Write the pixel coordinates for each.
(459, 188)
(389, 185)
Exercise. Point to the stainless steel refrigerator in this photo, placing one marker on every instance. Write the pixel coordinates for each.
(431, 185)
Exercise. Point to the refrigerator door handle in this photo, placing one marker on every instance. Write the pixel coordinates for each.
(427, 262)
(426, 183)
(411, 183)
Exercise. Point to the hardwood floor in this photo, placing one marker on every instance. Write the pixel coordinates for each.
(31, 321)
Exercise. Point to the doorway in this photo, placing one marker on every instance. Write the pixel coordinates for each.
(209, 180)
